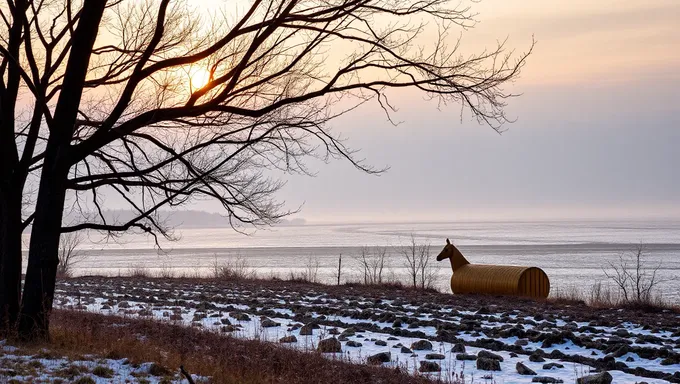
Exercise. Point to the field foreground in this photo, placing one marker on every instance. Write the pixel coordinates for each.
(423, 334)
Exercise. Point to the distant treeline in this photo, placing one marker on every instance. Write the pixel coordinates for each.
(186, 219)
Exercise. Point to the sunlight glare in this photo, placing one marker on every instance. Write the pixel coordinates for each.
(198, 77)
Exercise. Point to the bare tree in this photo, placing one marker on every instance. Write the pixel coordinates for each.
(635, 280)
(116, 105)
(419, 268)
(69, 256)
(371, 264)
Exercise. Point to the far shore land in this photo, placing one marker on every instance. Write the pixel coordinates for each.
(256, 330)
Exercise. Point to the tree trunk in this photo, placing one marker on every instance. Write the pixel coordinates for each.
(43, 256)
(10, 258)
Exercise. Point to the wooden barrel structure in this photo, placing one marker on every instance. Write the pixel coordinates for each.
(494, 279)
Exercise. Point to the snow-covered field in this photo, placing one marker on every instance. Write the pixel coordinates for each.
(16, 366)
(446, 339)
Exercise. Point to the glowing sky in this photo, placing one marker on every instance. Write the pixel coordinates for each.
(597, 132)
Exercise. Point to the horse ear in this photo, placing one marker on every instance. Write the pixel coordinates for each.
(447, 241)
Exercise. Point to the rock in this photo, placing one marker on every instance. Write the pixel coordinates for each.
(353, 343)
(466, 357)
(331, 345)
(458, 348)
(225, 321)
(421, 345)
(546, 380)
(486, 364)
(379, 358)
(620, 351)
(124, 304)
(489, 355)
(333, 331)
(522, 342)
(406, 350)
(392, 338)
(483, 311)
(306, 330)
(435, 356)
(524, 370)
(429, 366)
(669, 361)
(269, 323)
(240, 316)
(600, 378)
(622, 332)
(175, 317)
(552, 365)
(513, 354)
(288, 339)
(536, 358)
(381, 343)
(396, 324)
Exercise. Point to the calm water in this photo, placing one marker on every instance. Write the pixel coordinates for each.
(572, 253)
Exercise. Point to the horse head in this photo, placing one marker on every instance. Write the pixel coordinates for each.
(453, 254)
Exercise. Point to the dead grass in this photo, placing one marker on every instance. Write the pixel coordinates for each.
(223, 358)
(604, 296)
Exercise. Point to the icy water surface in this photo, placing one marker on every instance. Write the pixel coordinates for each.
(573, 253)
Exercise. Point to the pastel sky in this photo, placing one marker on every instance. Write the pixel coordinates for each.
(597, 132)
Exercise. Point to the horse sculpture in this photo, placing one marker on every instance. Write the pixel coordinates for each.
(493, 279)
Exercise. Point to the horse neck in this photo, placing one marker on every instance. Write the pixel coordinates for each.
(457, 260)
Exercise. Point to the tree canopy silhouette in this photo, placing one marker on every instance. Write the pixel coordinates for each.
(151, 101)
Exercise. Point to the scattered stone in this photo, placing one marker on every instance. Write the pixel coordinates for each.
(524, 370)
(124, 304)
(600, 378)
(381, 343)
(466, 357)
(331, 345)
(353, 343)
(379, 358)
(458, 348)
(392, 338)
(669, 361)
(406, 350)
(396, 324)
(536, 358)
(552, 365)
(546, 380)
(225, 321)
(486, 364)
(240, 316)
(421, 345)
(306, 330)
(489, 355)
(435, 356)
(269, 323)
(288, 339)
(429, 366)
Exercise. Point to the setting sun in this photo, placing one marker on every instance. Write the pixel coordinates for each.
(198, 77)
